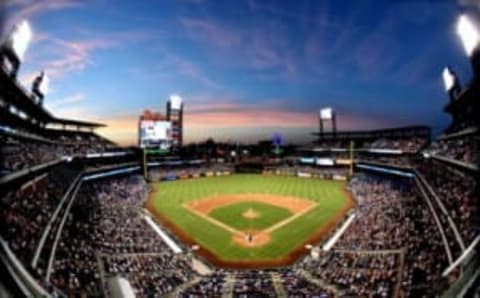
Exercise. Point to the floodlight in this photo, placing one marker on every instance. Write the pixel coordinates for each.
(448, 78)
(326, 114)
(175, 102)
(468, 33)
(20, 38)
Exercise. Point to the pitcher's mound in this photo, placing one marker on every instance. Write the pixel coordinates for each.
(250, 214)
(251, 238)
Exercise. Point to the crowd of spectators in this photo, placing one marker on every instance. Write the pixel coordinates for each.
(410, 145)
(457, 192)
(253, 283)
(150, 274)
(298, 286)
(107, 225)
(212, 285)
(280, 282)
(392, 245)
(314, 171)
(460, 149)
(16, 155)
(406, 145)
(356, 274)
(25, 212)
(395, 161)
(22, 153)
(184, 172)
(390, 215)
(323, 172)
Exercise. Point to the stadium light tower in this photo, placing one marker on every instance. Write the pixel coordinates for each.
(327, 114)
(451, 83)
(175, 115)
(16, 45)
(469, 34)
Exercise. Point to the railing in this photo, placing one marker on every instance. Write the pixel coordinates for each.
(444, 210)
(59, 231)
(437, 221)
(458, 163)
(47, 229)
(26, 282)
(18, 174)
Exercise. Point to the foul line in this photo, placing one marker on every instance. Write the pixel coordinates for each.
(163, 235)
(339, 233)
(213, 220)
(288, 220)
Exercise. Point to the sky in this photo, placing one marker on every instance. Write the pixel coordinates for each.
(245, 69)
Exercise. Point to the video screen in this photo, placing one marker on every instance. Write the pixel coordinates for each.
(155, 134)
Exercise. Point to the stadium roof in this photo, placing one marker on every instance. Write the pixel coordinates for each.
(467, 97)
(19, 97)
(76, 123)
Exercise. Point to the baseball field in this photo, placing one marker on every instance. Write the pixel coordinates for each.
(248, 220)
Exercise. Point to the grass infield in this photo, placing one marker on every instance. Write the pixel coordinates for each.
(168, 202)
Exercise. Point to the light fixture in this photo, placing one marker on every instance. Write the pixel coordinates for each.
(20, 39)
(468, 33)
(326, 113)
(448, 78)
(175, 102)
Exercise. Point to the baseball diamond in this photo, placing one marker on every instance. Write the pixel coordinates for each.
(248, 220)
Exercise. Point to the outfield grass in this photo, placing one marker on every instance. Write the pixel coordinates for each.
(327, 194)
(232, 215)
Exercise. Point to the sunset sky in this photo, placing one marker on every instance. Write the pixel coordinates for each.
(245, 69)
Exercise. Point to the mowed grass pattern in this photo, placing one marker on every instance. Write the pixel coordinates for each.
(233, 215)
(172, 195)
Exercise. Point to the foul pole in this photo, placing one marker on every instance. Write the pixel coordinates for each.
(351, 159)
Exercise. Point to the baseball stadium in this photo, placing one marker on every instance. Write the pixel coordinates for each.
(202, 196)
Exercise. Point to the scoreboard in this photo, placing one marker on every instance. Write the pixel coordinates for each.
(155, 134)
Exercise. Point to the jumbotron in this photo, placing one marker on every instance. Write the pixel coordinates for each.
(376, 213)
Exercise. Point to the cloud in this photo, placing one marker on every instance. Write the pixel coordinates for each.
(72, 99)
(73, 55)
(187, 68)
(26, 9)
(59, 57)
(229, 117)
(122, 129)
(76, 112)
(211, 32)
(264, 46)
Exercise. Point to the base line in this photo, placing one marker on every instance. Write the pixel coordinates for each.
(339, 233)
(163, 235)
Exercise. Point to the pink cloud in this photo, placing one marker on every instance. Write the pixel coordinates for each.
(69, 55)
(29, 8)
(211, 32)
(188, 68)
(233, 120)
(75, 55)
